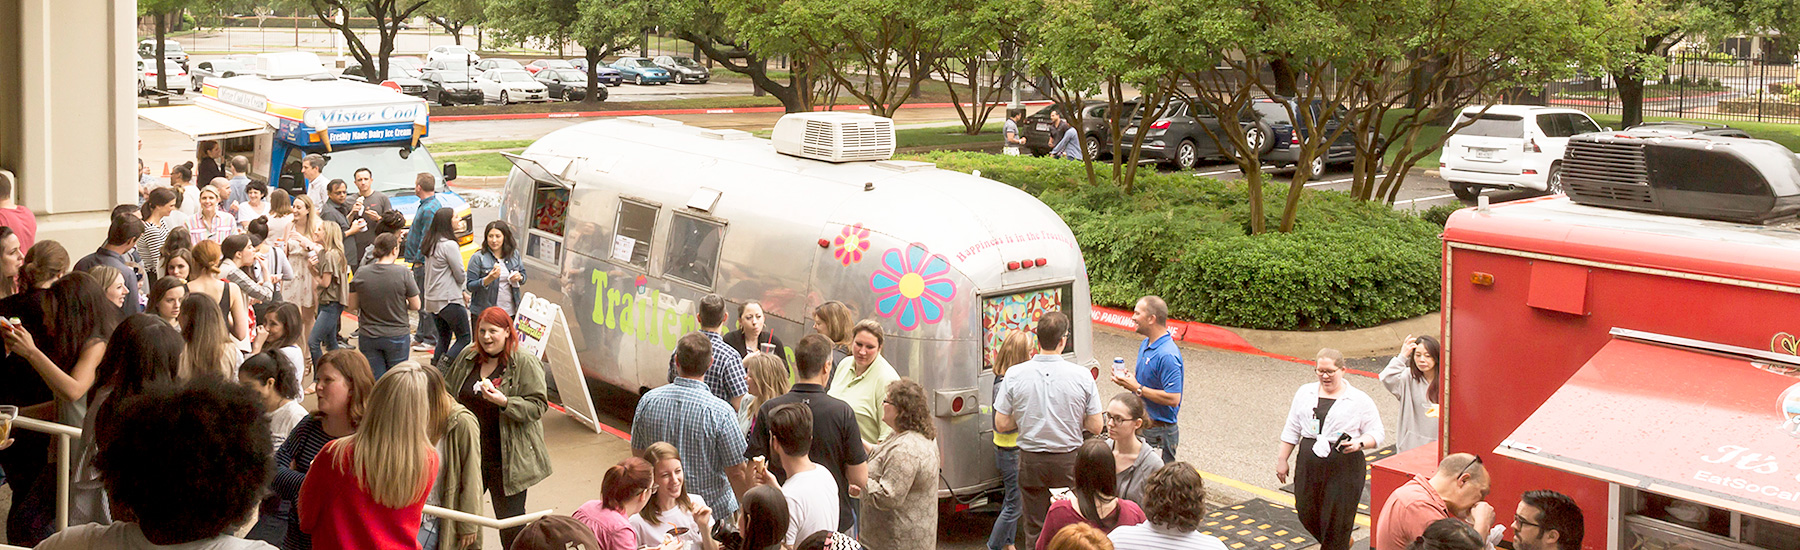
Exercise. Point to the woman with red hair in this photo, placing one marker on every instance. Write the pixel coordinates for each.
(504, 387)
(623, 492)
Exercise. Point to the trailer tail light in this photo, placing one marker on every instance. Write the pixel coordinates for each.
(1042, 262)
(1160, 125)
(1012, 266)
(955, 402)
(824, 243)
(1528, 172)
(1531, 146)
(1481, 279)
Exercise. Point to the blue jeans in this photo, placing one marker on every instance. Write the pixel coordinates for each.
(325, 329)
(452, 323)
(428, 532)
(384, 353)
(1165, 437)
(1007, 525)
(427, 331)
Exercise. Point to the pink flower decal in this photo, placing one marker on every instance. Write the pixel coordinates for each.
(912, 286)
(850, 244)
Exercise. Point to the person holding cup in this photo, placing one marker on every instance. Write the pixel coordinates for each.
(753, 333)
(1333, 423)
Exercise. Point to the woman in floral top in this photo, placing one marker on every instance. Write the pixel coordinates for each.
(903, 474)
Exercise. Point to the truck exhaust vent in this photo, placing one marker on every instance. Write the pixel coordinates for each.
(834, 136)
(1698, 176)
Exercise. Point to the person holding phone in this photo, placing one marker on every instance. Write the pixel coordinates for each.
(1333, 423)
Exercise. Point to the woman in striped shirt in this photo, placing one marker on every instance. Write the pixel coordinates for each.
(211, 224)
(149, 247)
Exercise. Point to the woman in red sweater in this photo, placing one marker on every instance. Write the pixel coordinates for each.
(365, 491)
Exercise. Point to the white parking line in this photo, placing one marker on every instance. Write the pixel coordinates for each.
(1329, 182)
(1432, 198)
(1215, 172)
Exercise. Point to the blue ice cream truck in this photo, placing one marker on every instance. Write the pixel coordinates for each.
(291, 107)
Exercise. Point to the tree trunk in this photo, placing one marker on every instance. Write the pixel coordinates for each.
(1631, 96)
(162, 60)
(1286, 80)
(757, 68)
(593, 75)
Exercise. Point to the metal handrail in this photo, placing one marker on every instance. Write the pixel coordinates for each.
(64, 432)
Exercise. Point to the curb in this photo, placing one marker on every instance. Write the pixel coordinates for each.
(697, 111)
(1283, 345)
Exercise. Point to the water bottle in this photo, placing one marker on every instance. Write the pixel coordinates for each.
(1119, 367)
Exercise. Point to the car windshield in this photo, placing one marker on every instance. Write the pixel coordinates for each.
(409, 72)
(571, 75)
(453, 76)
(453, 50)
(688, 62)
(504, 64)
(393, 175)
(407, 62)
(557, 64)
(1271, 111)
(513, 76)
(642, 63)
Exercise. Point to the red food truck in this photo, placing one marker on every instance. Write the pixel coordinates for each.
(1618, 347)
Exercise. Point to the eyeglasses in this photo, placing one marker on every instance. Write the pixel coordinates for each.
(1519, 521)
(1116, 419)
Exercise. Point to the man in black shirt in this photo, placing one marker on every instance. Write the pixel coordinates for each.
(836, 444)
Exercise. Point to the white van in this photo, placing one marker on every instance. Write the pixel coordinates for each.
(1510, 147)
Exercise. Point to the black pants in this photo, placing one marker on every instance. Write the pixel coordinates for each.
(1038, 473)
(505, 506)
(1326, 493)
(33, 511)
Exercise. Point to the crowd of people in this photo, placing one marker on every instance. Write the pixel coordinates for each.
(211, 310)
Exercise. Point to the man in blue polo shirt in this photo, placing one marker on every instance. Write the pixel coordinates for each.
(1159, 376)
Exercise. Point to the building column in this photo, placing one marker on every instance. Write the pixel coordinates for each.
(68, 112)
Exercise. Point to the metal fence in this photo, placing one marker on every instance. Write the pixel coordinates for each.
(1698, 85)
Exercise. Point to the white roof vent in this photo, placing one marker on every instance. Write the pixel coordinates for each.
(835, 136)
(904, 166)
(724, 134)
(277, 66)
(653, 122)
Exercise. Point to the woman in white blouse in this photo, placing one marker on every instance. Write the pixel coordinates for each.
(1332, 423)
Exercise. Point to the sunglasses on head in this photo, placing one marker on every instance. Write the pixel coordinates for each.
(1465, 468)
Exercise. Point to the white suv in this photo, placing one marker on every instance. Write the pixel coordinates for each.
(1510, 147)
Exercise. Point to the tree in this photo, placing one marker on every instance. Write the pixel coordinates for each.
(550, 22)
(1656, 26)
(335, 14)
(456, 15)
(980, 57)
(601, 28)
(876, 50)
(161, 11)
(699, 22)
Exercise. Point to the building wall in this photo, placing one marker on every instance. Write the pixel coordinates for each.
(68, 120)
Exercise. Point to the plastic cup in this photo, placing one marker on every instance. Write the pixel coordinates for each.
(7, 414)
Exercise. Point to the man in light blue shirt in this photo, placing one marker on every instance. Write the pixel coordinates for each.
(702, 428)
(1050, 401)
(1068, 141)
(1160, 376)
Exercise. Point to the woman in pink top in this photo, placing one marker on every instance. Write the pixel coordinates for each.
(211, 224)
(1096, 501)
(623, 492)
(366, 490)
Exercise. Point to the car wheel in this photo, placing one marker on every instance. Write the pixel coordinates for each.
(568, 96)
(1464, 192)
(504, 98)
(639, 80)
(1317, 168)
(1187, 155)
(1255, 137)
(140, 87)
(1092, 146)
(1553, 183)
(602, 93)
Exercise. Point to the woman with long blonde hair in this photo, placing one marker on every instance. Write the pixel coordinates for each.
(768, 379)
(330, 277)
(210, 349)
(368, 489)
(1015, 348)
(296, 240)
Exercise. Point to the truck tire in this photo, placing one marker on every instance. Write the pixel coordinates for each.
(1464, 192)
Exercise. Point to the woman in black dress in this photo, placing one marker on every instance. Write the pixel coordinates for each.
(1332, 423)
(753, 333)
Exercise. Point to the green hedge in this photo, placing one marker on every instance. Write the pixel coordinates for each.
(1347, 264)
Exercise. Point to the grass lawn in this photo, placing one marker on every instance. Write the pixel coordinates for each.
(480, 164)
(947, 135)
(441, 148)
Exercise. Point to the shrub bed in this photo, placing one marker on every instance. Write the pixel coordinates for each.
(1347, 264)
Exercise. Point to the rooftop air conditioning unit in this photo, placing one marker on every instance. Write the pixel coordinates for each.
(1698, 176)
(834, 136)
(284, 65)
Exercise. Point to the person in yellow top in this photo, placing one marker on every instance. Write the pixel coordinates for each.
(861, 380)
(1015, 348)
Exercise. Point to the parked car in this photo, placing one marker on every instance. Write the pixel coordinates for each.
(685, 69)
(456, 65)
(1096, 134)
(1181, 137)
(1510, 147)
(408, 81)
(567, 84)
(541, 64)
(171, 50)
(224, 67)
(452, 52)
(410, 63)
(508, 86)
(608, 75)
(1285, 139)
(642, 71)
(177, 79)
(1683, 128)
(491, 63)
(451, 88)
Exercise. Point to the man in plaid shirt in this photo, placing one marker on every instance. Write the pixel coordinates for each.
(726, 379)
(703, 428)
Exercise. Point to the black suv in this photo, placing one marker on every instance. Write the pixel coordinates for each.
(1284, 141)
(1180, 136)
(1096, 134)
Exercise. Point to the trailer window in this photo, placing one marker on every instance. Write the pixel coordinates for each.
(1019, 311)
(693, 249)
(631, 233)
(1657, 521)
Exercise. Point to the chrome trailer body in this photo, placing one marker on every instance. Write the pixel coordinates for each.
(659, 214)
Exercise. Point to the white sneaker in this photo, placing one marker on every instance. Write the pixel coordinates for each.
(421, 346)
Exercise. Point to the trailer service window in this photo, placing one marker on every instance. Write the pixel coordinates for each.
(631, 233)
(1019, 311)
(693, 249)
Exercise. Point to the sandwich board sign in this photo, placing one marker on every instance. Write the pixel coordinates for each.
(544, 331)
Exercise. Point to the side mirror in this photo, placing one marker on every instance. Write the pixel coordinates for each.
(1606, 128)
(449, 171)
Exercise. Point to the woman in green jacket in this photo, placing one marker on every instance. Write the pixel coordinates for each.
(457, 435)
(504, 387)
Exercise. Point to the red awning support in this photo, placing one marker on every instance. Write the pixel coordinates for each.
(1700, 421)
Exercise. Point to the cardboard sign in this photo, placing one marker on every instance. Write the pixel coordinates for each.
(544, 331)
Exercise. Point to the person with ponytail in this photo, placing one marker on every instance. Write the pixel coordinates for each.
(367, 490)
(624, 491)
(150, 245)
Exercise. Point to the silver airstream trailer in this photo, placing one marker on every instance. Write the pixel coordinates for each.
(628, 222)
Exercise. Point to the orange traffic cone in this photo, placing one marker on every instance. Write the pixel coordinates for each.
(165, 169)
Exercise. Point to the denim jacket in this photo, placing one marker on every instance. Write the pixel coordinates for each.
(483, 296)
